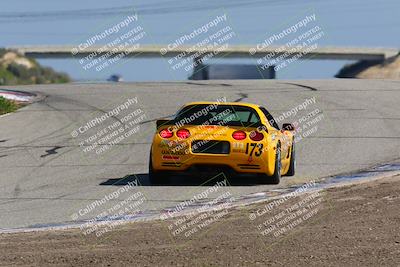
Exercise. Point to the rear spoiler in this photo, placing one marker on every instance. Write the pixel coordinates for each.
(163, 122)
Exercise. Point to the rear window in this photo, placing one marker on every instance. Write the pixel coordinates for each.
(223, 115)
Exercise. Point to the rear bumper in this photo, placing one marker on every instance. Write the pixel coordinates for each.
(177, 155)
(236, 162)
(210, 172)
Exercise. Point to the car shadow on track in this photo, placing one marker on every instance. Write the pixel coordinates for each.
(143, 180)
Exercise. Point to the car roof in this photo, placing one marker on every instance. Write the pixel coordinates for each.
(243, 104)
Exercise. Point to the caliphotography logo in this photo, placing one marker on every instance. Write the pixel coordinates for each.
(199, 133)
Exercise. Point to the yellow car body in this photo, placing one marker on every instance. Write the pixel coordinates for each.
(222, 136)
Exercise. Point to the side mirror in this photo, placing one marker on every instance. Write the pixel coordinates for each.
(288, 127)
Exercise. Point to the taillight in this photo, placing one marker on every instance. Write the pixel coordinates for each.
(256, 136)
(183, 133)
(166, 133)
(239, 135)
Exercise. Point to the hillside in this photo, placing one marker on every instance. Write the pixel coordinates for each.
(16, 69)
(389, 69)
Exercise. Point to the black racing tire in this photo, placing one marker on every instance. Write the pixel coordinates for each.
(276, 177)
(292, 165)
(157, 178)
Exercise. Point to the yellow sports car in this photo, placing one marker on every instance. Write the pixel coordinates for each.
(235, 138)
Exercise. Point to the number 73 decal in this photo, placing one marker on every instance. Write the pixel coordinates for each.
(255, 148)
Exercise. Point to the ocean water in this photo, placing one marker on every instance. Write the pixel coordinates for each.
(350, 23)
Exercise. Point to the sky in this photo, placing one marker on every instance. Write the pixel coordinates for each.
(344, 23)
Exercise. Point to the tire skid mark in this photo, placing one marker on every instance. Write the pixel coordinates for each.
(302, 86)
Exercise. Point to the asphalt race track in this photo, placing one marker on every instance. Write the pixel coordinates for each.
(46, 176)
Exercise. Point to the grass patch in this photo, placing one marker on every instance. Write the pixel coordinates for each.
(7, 106)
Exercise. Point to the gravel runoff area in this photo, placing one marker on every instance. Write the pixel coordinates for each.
(355, 225)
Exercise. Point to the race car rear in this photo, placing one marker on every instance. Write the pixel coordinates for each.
(228, 137)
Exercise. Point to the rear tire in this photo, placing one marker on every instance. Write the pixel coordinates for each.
(156, 178)
(276, 177)
(292, 165)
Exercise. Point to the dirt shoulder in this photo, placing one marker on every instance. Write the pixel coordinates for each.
(354, 226)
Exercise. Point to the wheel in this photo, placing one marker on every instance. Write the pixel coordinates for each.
(276, 177)
(156, 178)
(292, 165)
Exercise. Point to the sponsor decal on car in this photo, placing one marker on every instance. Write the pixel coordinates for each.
(170, 157)
(238, 147)
(171, 152)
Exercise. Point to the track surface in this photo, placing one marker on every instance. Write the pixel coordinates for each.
(46, 177)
